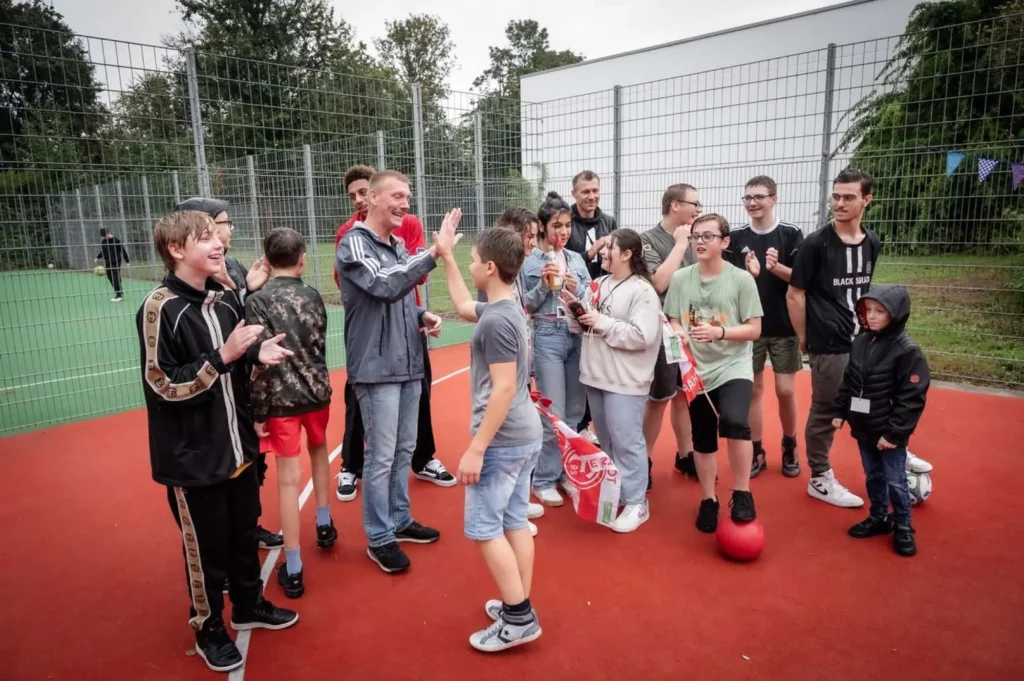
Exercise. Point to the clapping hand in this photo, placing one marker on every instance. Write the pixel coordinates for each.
(272, 353)
(753, 265)
(771, 259)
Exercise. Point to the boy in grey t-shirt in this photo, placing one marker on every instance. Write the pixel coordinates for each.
(506, 429)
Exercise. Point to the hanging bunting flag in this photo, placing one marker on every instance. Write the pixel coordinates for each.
(985, 166)
(1018, 174)
(953, 159)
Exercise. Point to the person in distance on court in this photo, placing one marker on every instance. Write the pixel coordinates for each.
(425, 466)
(622, 331)
(197, 359)
(716, 310)
(385, 361)
(766, 247)
(295, 395)
(506, 430)
(555, 348)
(112, 252)
(233, 275)
(882, 397)
(667, 249)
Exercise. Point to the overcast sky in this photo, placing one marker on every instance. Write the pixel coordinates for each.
(595, 29)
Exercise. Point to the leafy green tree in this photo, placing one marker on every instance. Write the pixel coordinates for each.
(952, 85)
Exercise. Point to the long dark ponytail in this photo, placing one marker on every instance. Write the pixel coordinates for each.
(629, 240)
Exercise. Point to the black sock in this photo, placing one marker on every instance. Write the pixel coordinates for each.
(521, 613)
(789, 442)
(757, 447)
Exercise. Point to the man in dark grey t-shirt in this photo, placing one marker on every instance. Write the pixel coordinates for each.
(506, 427)
(667, 249)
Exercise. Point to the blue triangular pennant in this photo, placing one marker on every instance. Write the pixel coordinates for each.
(953, 159)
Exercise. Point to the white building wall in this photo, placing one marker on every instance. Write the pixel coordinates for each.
(712, 112)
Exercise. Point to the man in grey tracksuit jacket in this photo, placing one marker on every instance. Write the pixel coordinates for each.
(384, 360)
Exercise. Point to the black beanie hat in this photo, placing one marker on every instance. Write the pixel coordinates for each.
(212, 207)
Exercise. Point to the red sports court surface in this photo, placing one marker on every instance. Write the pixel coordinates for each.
(93, 571)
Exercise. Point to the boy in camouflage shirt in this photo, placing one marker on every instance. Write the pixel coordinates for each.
(294, 395)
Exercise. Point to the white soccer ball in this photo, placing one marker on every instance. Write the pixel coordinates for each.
(50, 266)
(920, 485)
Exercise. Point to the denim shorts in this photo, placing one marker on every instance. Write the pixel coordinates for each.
(497, 504)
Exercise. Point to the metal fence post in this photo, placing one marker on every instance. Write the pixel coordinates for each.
(826, 134)
(478, 157)
(177, 187)
(120, 214)
(307, 164)
(99, 210)
(250, 167)
(203, 173)
(617, 152)
(382, 160)
(421, 192)
(147, 213)
(81, 227)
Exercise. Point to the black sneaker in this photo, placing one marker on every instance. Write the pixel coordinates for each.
(650, 474)
(389, 557)
(790, 460)
(263, 615)
(742, 504)
(870, 527)
(436, 473)
(759, 463)
(217, 649)
(292, 584)
(418, 534)
(347, 482)
(686, 466)
(707, 516)
(226, 587)
(269, 540)
(903, 540)
(326, 535)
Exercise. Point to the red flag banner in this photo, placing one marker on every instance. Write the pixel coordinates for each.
(692, 383)
(593, 477)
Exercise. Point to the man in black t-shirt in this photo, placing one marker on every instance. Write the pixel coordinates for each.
(833, 269)
(767, 249)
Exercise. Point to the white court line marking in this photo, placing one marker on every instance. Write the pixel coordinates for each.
(242, 640)
(70, 378)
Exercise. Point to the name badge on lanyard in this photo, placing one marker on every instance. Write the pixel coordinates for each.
(860, 405)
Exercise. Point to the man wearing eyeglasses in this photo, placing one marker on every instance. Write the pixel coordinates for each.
(667, 249)
(766, 247)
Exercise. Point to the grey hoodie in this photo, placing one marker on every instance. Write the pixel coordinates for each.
(382, 320)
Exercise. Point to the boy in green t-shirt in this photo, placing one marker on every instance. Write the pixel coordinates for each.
(715, 308)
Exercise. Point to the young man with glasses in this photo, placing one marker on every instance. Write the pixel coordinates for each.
(666, 249)
(832, 270)
(715, 309)
(767, 247)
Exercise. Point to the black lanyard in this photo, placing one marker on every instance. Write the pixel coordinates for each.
(604, 308)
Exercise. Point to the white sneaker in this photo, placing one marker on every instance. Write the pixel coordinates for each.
(632, 517)
(590, 435)
(502, 635)
(549, 496)
(915, 464)
(534, 511)
(567, 488)
(826, 488)
(533, 529)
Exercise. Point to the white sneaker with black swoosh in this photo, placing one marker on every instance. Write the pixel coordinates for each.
(826, 488)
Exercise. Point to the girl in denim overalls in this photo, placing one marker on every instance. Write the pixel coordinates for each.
(556, 349)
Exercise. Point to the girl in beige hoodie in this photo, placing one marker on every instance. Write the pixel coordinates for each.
(622, 331)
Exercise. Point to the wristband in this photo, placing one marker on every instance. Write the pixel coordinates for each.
(723, 333)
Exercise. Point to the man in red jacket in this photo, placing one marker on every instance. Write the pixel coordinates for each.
(424, 465)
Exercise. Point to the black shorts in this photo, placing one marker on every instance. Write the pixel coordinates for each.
(667, 379)
(732, 400)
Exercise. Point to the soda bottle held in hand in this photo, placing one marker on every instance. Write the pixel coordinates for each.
(554, 281)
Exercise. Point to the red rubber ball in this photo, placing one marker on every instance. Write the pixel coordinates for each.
(740, 541)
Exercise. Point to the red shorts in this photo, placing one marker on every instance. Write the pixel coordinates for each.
(284, 433)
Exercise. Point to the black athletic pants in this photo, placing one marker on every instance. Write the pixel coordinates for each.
(114, 276)
(218, 527)
(353, 445)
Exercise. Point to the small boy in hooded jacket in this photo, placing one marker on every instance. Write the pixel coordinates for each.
(882, 397)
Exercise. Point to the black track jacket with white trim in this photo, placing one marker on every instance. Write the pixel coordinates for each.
(199, 415)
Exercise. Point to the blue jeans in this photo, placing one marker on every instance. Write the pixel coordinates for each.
(497, 504)
(556, 364)
(619, 420)
(390, 412)
(886, 471)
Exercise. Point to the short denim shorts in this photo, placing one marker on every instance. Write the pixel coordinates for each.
(497, 504)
